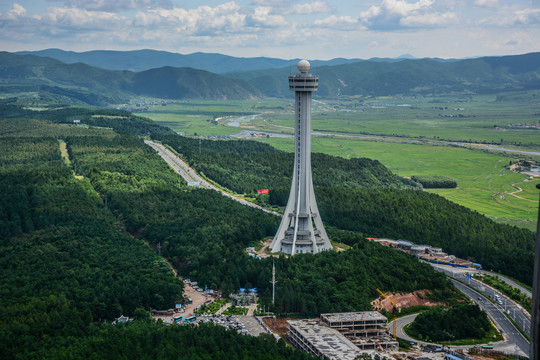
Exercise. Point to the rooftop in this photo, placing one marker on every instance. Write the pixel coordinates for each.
(353, 316)
(329, 342)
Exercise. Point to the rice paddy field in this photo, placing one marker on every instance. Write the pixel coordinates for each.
(411, 136)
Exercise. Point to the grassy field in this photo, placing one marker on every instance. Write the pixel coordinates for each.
(472, 118)
(412, 137)
(203, 117)
(484, 184)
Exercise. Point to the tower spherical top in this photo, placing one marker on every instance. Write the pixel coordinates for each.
(303, 66)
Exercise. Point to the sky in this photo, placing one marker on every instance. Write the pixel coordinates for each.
(284, 29)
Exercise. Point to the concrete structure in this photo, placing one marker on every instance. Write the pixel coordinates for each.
(366, 329)
(301, 229)
(312, 337)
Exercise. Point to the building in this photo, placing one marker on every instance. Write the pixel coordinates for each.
(366, 329)
(301, 229)
(341, 335)
(312, 337)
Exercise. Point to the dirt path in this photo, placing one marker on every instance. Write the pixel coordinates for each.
(170, 265)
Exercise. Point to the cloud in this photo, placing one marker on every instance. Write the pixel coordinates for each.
(522, 17)
(202, 20)
(317, 7)
(396, 14)
(338, 23)
(116, 5)
(487, 3)
(262, 17)
(73, 18)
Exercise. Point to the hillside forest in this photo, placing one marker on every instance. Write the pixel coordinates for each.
(79, 229)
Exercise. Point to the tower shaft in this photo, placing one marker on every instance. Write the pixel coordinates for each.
(301, 229)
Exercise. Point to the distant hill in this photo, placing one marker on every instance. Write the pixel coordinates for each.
(97, 86)
(411, 76)
(140, 60)
(380, 77)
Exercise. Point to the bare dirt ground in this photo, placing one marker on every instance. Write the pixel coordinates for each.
(277, 325)
(263, 252)
(403, 300)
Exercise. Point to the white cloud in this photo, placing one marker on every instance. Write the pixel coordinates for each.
(202, 20)
(338, 22)
(516, 18)
(395, 14)
(74, 18)
(116, 5)
(429, 20)
(316, 7)
(487, 3)
(262, 17)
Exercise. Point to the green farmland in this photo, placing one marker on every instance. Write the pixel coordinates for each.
(409, 136)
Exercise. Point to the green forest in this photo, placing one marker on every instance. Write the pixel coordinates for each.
(362, 196)
(78, 237)
(464, 321)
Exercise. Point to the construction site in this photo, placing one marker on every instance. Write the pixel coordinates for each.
(341, 335)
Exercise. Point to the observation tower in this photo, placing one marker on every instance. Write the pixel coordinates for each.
(301, 229)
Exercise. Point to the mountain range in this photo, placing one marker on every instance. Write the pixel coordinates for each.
(377, 77)
(98, 86)
(140, 60)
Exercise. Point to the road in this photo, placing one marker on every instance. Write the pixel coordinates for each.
(514, 310)
(191, 175)
(512, 335)
(510, 332)
(510, 282)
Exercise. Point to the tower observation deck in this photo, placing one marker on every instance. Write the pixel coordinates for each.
(301, 229)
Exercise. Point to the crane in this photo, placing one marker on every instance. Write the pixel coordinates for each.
(394, 309)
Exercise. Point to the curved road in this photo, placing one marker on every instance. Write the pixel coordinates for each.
(512, 335)
(191, 175)
(510, 332)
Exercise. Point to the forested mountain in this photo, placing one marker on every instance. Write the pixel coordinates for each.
(362, 196)
(411, 77)
(141, 60)
(245, 166)
(94, 85)
(205, 234)
(97, 86)
(68, 263)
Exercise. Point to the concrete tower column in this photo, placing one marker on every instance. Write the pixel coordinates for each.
(301, 229)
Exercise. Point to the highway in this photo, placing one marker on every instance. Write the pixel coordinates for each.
(512, 336)
(511, 333)
(514, 310)
(191, 175)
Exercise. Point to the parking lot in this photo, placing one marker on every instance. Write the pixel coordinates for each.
(246, 325)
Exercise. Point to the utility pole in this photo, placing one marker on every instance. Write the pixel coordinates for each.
(159, 248)
(273, 282)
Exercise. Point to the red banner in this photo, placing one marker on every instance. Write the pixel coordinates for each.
(262, 192)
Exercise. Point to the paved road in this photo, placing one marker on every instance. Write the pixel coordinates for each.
(512, 335)
(510, 332)
(191, 175)
(514, 310)
(509, 282)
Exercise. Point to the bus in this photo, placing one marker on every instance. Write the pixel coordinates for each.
(190, 319)
(177, 318)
